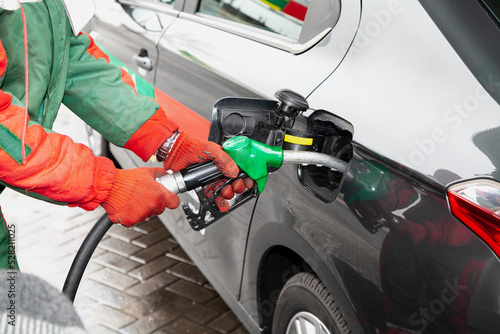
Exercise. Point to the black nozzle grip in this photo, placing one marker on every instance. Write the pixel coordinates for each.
(200, 175)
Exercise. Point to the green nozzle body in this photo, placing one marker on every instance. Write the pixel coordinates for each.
(254, 157)
(371, 184)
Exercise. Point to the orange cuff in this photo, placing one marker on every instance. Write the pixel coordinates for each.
(104, 178)
(151, 135)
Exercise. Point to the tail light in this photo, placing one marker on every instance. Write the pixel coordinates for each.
(477, 204)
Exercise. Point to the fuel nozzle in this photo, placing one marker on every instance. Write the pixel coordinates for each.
(254, 157)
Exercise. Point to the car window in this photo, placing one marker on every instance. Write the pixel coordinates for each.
(168, 2)
(284, 17)
(494, 7)
(148, 15)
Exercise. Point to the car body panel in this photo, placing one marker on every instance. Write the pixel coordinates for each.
(399, 71)
(427, 239)
(421, 121)
(197, 75)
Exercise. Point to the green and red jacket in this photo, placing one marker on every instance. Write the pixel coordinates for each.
(72, 70)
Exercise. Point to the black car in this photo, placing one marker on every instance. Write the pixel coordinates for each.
(406, 240)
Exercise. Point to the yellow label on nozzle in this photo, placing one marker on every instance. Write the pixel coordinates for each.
(298, 140)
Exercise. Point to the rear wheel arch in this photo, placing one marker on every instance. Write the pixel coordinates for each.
(279, 265)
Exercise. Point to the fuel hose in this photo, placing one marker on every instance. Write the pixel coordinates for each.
(178, 182)
(83, 256)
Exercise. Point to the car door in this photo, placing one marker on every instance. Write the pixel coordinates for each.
(247, 48)
(128, 31)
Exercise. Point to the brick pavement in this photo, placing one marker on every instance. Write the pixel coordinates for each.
(139, 280)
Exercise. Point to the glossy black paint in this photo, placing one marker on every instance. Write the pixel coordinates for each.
(418, 274)
(393, 256)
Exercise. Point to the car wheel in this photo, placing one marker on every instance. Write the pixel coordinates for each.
(306, 307)
(97, 143)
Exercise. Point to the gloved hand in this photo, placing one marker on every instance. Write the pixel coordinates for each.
(227, 192)
(188, 151)
(135, 196)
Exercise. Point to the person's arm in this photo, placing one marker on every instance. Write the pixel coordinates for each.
(104, 96)
(58, 170)
(55, 168)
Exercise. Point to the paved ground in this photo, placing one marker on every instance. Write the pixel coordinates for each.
(138, 281)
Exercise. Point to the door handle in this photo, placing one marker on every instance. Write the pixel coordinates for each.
(143, 61)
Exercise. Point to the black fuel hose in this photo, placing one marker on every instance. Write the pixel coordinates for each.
(184, 180)
(83, 256)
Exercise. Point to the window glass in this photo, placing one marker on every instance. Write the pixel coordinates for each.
(494, 7)
(284, 17)
(169, 2)
(147, 18)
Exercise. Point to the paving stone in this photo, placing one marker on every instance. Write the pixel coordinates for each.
(26, 229)
(25, 241)
(83, 302)
(116, 262)
(151, 322)
(183, 326)
(113, 278)
(79, 230)
(151, 238)
(180, 255)
(100, 329)
(57, 223)
(148, 254)
(85, 286)
(46, 252)
(182, 306)
(240, 330)
(123, 233)
(119, 247)
(192, 291)
(91, 268)
(225, 323)
(109, 296)
(87, 318)
(52, 237)
(88, 218)
(218, 304)
(149, 225)
(112, 317)
(151, 285)
(83, 305)
(147, 270)
(98, 252)
(192, 310)
(149, 304)
(74, 245)
(188, 272)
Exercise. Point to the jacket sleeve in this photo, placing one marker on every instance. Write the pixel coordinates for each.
(103, 95)
(55, 168)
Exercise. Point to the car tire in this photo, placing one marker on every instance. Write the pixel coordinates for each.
(305, 306)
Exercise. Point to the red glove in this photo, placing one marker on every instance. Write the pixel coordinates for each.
(188, 151)
(135, 196)
(227, 192)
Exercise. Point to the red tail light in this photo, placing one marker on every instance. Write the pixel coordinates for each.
(477, 204)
